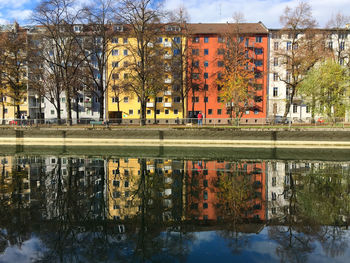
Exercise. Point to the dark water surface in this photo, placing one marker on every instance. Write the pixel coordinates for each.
(73, 207)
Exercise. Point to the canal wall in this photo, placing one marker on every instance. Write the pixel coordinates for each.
(187, 137)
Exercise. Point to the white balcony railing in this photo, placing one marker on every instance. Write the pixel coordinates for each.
(167, 81)
(149, 105)
(167, 44)
(167, 93)
(167, 56)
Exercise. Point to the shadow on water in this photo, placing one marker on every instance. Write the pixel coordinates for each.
(74, 208)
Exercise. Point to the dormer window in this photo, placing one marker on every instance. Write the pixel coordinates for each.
(78, 29)
(173, 28)
(118, 28)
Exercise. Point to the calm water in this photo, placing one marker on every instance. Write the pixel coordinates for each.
(81, 209)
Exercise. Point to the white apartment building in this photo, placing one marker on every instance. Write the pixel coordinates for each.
(278, 94)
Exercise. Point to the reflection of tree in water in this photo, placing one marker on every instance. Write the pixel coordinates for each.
(318, 208)
(15, 220)
(160, 235)
(236, 196)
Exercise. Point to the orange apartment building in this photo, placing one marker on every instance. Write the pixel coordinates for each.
(202, 188)
(205, 64)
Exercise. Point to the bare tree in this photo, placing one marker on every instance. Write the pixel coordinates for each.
(337, 31)
(97, 45)
(303, 48)
(60, 51)
(142, 17)
(14, 67)
(180, 64)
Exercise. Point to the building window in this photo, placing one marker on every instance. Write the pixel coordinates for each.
(125, 40)
(125, 52)
(206, 51)
(195, 99)
(221, 51)
(307, 109)
(115, 182)
(275, 62)
(195, 52)
(342, 46)
(159, 99)
(221, 40)
(205, 99)
(206, 64)
(295, 108)
(205, 205)
(52, 112)
(220, 64)
(219, 87)
(219, 75)
(206, 75)
(258, 51)
(195, 40)
(275, 76)
(176, 112)
(206, 39)
(258, 63)
(289, 45)
(273, 195)
(115, 99)
(258, 39)
(330, 45)
(115, 64)
(218, 99)
(275, 46)
(148, 112)
(157, 112)
(131, 112)
(210, 111)
(275, 91)
(115, 76)
(288, 76)
(177, 99)
(205, 195)
(219, 111)
(126, 184)
(126, 99)
(166, 111)
(256, 111)
(115, 52)
(195, 76)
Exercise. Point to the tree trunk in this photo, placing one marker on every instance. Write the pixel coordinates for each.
(77, 107)
(101, 100)
(68, 108)
(155, 111)
(3, 111)
(143, 113)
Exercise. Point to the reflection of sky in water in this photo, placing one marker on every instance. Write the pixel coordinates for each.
(30, 250)
(207, 246)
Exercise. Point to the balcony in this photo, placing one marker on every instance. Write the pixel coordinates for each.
(167, 56)
(149, 104)
(167, 81)
(167, 93)
(167, 44)
(167, 104)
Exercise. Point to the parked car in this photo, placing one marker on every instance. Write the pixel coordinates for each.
(279, 120)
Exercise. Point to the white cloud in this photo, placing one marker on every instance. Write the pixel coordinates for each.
(267, 11)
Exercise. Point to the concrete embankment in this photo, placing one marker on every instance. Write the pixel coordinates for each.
(238, 138)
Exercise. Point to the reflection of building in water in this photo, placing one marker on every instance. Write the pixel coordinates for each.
(123, 182)
(162, 178)
(85, 177)
(277, 183)
(15, 180)
(204, 184)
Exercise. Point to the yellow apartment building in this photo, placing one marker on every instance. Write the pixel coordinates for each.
(125, 105)
(8, 104)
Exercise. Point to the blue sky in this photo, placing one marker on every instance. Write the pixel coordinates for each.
(267, 11)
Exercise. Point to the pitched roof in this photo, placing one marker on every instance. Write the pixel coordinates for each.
(221, 28)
